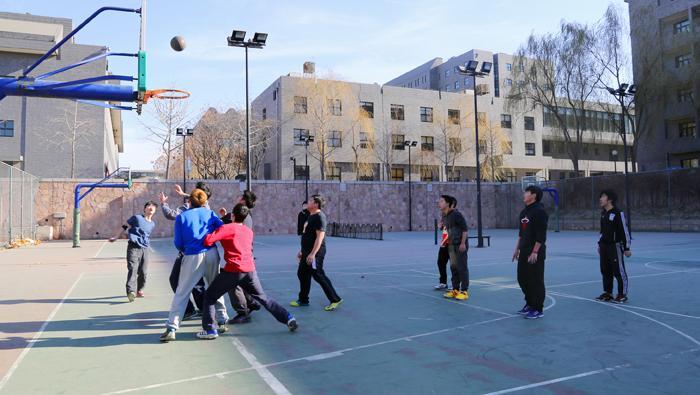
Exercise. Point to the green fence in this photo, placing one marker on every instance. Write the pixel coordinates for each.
(18, 190)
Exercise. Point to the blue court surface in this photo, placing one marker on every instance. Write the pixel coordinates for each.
(393, 334)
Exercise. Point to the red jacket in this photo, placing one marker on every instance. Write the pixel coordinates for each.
(237, 242)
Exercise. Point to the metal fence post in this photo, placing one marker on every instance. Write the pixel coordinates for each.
(668, 201)
(21, 206)
(9, 208)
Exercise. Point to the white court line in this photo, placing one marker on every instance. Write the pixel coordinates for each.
(101, 248)
(277, 387)
(460, 303)
(31, 343)
(559, 380)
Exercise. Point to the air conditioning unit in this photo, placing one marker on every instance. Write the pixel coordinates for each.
(482, 89)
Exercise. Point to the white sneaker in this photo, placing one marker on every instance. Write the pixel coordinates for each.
(440, 287)
(208, 335)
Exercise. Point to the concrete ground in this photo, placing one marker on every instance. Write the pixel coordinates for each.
(65, 325)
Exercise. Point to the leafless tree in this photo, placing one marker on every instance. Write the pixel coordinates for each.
(163, 118)
(494, 145)
(449, 143)
(70, 129)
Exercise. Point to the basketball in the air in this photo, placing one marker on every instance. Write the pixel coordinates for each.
(177, 43)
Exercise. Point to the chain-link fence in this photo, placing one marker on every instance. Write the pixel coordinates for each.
(356, 231)
(18, 190)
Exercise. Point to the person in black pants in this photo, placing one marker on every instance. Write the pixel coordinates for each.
(613, 247)
(301, 218)
(531, 251)
(443, 256)
(312, 255)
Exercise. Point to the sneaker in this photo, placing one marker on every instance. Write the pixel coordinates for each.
(222, 327)
(131, 296)
(333, 305)
(167, 336)
(208, 335)
(139, 294)
(534, 314)
(620, 298)
(292, 324)
(462, 295)
(524, 310)
(239, 319)
(254, 307)
(604, 297)
(297, 303)
(195, 315)
(450, 294)
(440, 287)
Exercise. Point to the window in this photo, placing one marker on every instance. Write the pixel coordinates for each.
(455, 144)
(688, 163)
(364, 140)
(417, 82)
(529, 149)
(521, 67)
(264, 114)
(368, 108)
(274, 95)
(300, 105)
(453, 116)
(426, 143)
(300, 172)
(506, 121)
(686, 129)
(466, 82)
(681, 27)
(509, 82)
(457, 85)
(447, 87)
(396, 174)
(426, 174)
(453, 175)
(447, 73)
(546, 147)
(685, 96)
(335, 107)
(426, 114)
(683, 60)
(529, 123)
(333, 173)
(397, 141)
(298, 134)
(483, 146)
(596, 151)
(335, 138)
(509, 66)
(397, 112)
(7, 128)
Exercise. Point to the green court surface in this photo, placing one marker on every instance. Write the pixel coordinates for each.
(392, 335)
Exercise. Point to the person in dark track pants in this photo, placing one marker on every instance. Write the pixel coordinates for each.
(613, 247)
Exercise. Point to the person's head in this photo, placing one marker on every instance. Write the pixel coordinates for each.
(447, 202)
(248, 198)
(316, 203)
(304, 205)
(150, 207)
(607, 196)
(240, 212)
(204, 187)
(198, 198)
(532, 194)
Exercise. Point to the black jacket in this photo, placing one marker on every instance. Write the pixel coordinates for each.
(533, 228)
(301, 220)
(613, 228)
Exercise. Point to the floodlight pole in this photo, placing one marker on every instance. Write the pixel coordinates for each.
(410, 184)
(247, 125)
(620, 93)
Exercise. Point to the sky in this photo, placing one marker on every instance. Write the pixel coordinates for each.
(360, 41)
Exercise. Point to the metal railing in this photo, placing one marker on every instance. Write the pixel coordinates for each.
(18, 191)
(357, 231)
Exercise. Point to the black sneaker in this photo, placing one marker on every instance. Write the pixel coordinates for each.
(195, 315)
(239, 319)
(620, 298)
(604, 297)
(222, 327)
(167, 336)
(292, 323)
(254, 307)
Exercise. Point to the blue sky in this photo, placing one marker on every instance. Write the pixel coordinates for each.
(363, 41)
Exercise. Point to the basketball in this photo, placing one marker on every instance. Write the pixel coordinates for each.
(177, 43)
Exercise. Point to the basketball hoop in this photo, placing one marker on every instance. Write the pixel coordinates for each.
(167, 94)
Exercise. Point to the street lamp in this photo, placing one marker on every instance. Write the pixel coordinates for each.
(184, 132)
(625, 90)
(471, 70)
(410, 144)
(258, 41)
(614, 154)
(306, 140)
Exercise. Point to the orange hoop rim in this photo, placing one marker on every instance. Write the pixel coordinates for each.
(168, 94)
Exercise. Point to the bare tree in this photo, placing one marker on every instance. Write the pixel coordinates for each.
(361, 137)
(164, 117)
(71, 129)
(494, 145)
(449, 144)
(383, 145)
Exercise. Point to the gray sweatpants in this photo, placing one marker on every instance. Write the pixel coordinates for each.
(137, 266)
(194, 267)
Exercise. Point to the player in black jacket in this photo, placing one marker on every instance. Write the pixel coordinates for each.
(613, 247)
(531, 252)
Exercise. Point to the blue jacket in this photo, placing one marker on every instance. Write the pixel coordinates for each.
(190, 228)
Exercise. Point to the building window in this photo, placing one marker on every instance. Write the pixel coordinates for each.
(453, 175)
(685, 96)
(466, 82)
(447, 73)
(397, 112)
(335, 107)
(455, 145)
(417, 82)
(509, 82)
(298, 134)
(457, 85)
(335, 138)
(447, 87)
(333, 173)
(509, 66)
(529, 123)
(681, 27)
(264, 114)
(427, 143)
(426, 114)
(688, 163)
(7, 128)
(368, 108)
(683, 60)
(397, 141)
(364, 140)
(521, 67)
(300, 172)
(546, 147)
(274, 95)
(529, 149)
(300, 105)
(686, 129)
(426, 174)
(506, 121)
(396, 174)
(453, 116)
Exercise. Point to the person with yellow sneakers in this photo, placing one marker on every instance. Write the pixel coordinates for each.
(457, 247)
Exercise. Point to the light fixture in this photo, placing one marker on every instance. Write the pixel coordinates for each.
(632, 89)
(237, 36)
(471, 65)
(260, 38)
(486, 67)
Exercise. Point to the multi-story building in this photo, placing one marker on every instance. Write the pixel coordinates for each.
(432, 105)
(666, 61)
(53, 137)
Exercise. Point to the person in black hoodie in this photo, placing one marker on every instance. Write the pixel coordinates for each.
(531, 251)
(613, 247)
(301, 218)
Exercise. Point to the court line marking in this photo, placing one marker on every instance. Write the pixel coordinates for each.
(38, 334)
(100, 250)
(559, 380)
(264, 373)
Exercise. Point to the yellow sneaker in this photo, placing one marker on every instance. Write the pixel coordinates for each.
(450, 294)
(463, 295)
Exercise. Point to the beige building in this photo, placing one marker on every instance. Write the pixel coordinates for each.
(360, 130)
